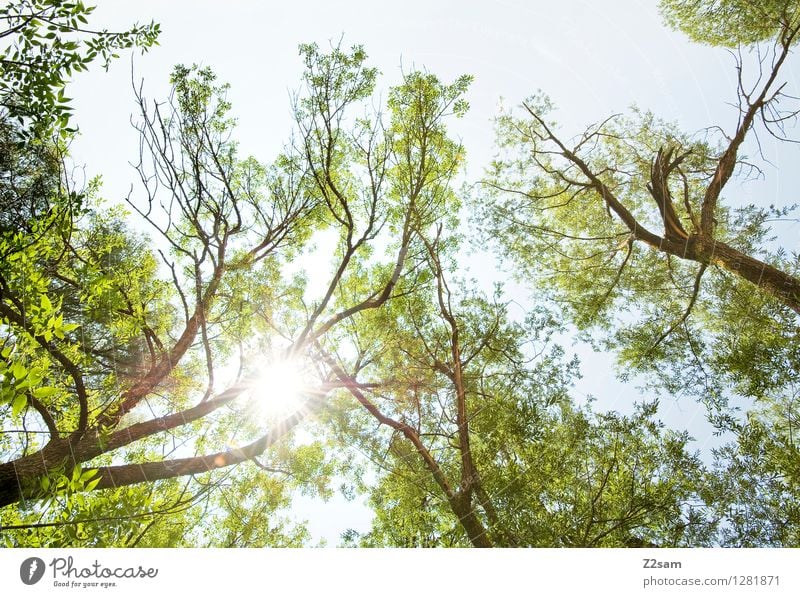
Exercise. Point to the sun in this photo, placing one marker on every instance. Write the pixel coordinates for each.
(279, 388)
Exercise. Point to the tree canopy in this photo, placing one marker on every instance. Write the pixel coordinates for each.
(176, 368)
(731, 22)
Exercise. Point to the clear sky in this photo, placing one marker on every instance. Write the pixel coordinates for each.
(591, 58)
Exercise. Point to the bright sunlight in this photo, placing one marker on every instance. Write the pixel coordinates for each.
(279, 388)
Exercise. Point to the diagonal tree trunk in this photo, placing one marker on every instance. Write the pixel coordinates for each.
(19, 479)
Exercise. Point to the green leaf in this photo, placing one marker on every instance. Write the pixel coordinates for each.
(44, 392)
(18, 404)
(18, 370)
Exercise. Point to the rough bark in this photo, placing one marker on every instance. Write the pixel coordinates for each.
(460, 502)
(19, 479)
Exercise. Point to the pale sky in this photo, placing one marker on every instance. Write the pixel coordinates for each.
(591, 58)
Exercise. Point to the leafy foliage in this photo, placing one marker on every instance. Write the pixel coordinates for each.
(48, 42)
(132, 365)
(630, 231)
(731, 22)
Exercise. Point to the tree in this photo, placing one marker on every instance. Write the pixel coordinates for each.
(589, 212)
(29, 176)
(49, 42)
(731, 22)
(482, 444)
(628, 228)
(109, 366)
(45, 42)
(133, 403)
(755, 489)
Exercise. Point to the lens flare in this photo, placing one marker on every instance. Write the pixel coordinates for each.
(279, 388)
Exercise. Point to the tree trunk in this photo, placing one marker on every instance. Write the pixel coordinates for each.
(19, 479)
(769, 279)
(461, 505)
(778, 284)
